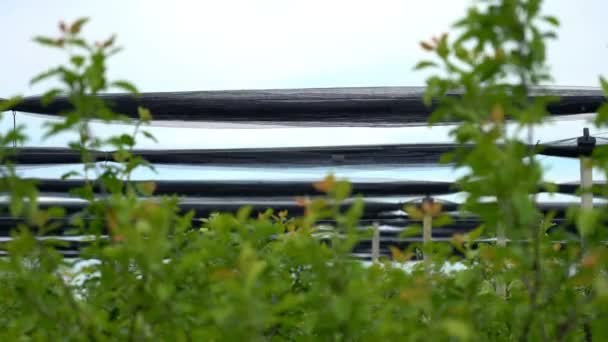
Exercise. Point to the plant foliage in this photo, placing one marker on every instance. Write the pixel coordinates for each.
(150, 272)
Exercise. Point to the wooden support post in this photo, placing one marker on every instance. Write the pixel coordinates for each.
(376, 243)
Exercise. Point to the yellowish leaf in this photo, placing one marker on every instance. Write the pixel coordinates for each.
(497, 114)
(326, 184)
(147, 188)
(427, 46)
(414, 212)
(398, 255)
(431, 208)
(144, 114)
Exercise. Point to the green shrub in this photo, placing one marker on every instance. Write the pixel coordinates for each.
(160, 275)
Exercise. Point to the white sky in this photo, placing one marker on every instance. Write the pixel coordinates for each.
(202, 45)
(241, 44)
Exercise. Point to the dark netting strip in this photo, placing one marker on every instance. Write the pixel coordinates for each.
(246, 189)
(329, 106)
(263, 188)
(407, 154)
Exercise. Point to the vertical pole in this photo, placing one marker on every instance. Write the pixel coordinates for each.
(586, 183)
(501, 236)
(586, 145)
(427, 227)
(376, 243)
(501, 241)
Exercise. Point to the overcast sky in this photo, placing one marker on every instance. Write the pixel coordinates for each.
(240, 44)
(228, 44)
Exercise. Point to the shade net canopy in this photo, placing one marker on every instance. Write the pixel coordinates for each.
(327, 106)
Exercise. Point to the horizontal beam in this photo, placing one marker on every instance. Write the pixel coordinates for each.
(328, 106)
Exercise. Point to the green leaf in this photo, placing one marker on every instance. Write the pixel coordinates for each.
(475, 233)
(413, 212)
(355, 211)
(443, 49)
(425, 65)
(442, 220)
(109, 42)
(551, 20)
(46, 41)
(604, 84)
(144, 114)
(149, 136)
(77, 25)
(9, 103)
(70, 174)
(47, 74)
(550, 187)
(77, 60)
(587, 221)
(457, 328)
(49, 96)
(126, 86)
(244, 213)
(341, 190)
(411, 230)
(146, 188)
(602, 115)
(81, 43)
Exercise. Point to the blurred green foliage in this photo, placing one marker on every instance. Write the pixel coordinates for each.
(154, 273)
